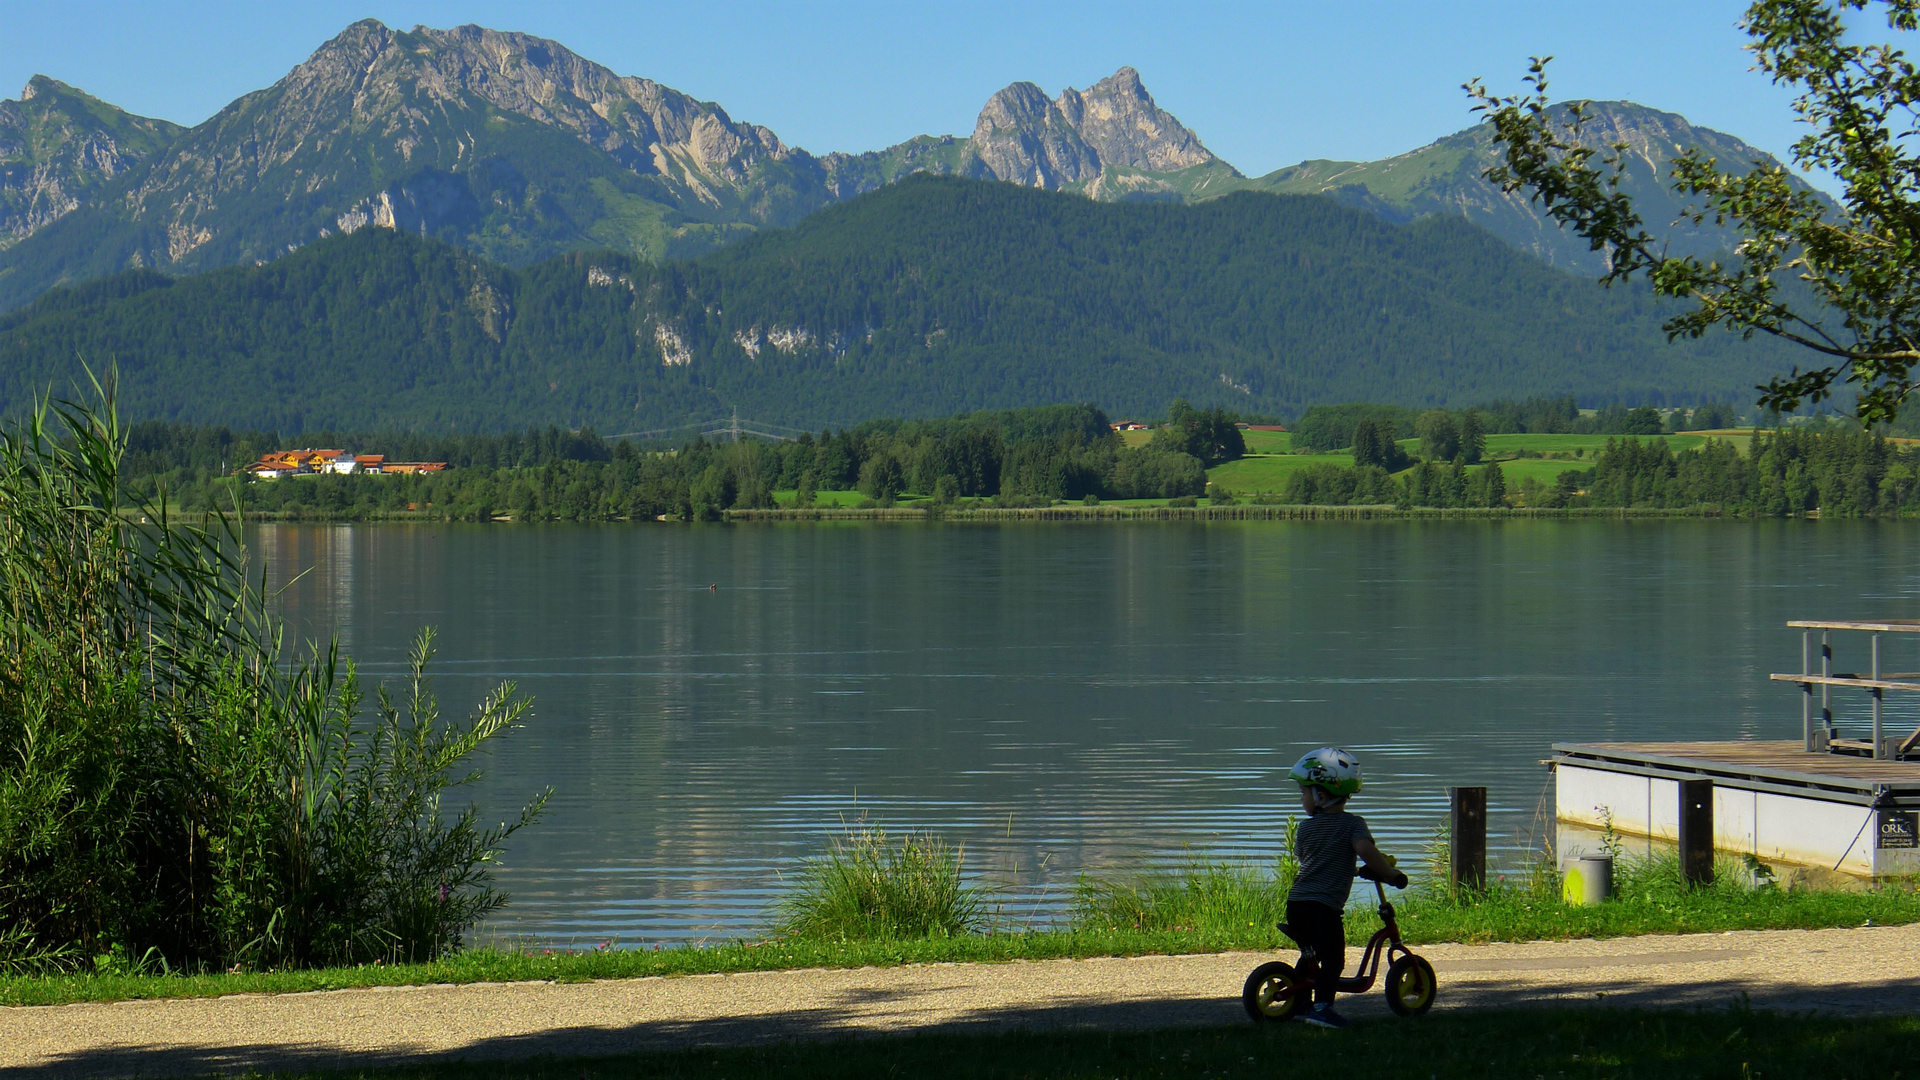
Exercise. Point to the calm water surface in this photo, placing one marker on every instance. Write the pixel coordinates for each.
(1057, 698)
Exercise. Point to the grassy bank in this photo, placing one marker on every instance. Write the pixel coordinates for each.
(1734, 1043)
(1213, 910)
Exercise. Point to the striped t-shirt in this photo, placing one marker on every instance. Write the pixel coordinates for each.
(1324, 846)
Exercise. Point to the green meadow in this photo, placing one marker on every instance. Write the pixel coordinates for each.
(1267, 473)
(1270, 461)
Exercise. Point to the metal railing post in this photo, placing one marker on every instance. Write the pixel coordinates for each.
(1826, 692)
(1879, 749)
(1806, 689)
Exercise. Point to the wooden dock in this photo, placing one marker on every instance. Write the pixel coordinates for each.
(1782, 765)
(1774, 800)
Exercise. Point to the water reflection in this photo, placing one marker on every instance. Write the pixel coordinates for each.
(1056, 698)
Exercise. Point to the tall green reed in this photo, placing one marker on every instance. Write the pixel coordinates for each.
(178, 789)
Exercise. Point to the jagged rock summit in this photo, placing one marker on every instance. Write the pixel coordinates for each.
(1023, 138)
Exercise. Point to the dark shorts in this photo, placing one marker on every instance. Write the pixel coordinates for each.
(1320, 930)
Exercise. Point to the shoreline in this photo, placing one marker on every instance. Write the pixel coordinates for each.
(1070, 512)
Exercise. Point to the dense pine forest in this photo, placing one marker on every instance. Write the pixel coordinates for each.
(927, 298)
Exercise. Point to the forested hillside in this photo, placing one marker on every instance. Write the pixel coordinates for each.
(929, 297)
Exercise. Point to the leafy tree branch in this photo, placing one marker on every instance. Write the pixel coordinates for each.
(1860, 267)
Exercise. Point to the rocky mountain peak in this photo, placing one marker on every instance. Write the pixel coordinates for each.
(59, 145)
(1023, 137)
(1021, 104)
(1120, 121)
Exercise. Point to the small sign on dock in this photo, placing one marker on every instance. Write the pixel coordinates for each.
(1896, 830)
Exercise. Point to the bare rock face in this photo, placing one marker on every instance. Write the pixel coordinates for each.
(1120, 122)
(1023, 138)
(58, 146)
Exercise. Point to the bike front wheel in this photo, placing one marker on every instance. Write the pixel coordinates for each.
(1410, 986)
(1274, 992)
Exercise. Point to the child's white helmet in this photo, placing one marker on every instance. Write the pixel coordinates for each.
(1330, 769)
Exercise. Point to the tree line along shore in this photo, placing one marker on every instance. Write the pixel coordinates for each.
(1539, 457)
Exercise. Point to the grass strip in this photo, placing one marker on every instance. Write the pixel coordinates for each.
(1733, 1043)
(1498, 916)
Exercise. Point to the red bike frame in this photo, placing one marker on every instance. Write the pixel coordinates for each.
(1385, 944)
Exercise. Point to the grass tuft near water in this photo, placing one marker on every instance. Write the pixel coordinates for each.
(1199, 896)
(870, 887)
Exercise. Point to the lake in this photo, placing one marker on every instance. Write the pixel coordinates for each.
(712, 702)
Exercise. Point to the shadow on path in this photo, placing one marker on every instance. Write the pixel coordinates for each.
(849, 1019)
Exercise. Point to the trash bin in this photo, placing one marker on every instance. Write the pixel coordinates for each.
(1589, 880)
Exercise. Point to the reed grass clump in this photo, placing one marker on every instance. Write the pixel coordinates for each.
(868, 886)
(177, 791)
(1198, 896)
(1216, 897)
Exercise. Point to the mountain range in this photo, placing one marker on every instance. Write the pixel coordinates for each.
(927, 297)
(517, 149)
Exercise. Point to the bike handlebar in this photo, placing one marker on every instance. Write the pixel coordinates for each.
(1374, 875)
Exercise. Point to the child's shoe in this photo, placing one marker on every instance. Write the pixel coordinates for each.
(1324, 1016)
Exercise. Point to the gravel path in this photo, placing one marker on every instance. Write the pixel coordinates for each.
(1844, 971)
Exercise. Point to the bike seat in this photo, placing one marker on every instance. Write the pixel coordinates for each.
(1287, 930)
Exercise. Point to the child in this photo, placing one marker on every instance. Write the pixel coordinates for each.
(1325, 846)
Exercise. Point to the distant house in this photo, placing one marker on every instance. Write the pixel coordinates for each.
(1260, 427)
(311, 462)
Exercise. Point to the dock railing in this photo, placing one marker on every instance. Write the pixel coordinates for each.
(1823, 738)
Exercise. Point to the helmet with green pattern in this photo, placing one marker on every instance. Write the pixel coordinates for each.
(1328, 769)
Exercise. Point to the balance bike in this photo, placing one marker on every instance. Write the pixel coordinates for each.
(1277, 991)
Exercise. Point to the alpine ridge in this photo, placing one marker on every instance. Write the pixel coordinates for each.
(516, 148)
(1445, 177)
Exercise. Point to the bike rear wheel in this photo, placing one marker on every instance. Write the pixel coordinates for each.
(1410, 986)
(1274, 992)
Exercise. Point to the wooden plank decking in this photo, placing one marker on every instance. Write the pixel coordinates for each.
(1785, 759)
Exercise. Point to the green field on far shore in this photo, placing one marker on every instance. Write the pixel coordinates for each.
(1268, 442)
(1270, 461)
(1268, 472)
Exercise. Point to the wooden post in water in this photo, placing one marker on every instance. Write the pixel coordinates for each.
(1469, 836)
(1696, 831)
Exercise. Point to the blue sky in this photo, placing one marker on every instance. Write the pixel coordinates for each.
(1264, 84)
